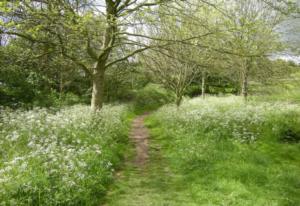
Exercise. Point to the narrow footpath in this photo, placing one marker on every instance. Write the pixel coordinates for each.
(140, 136)
(146, 179)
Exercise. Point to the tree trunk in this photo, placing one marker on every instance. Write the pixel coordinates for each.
(99, 70)
(178, 101)
(98, 89)
(244, 82)
(61, 85)
(203, 85)
(178, 98)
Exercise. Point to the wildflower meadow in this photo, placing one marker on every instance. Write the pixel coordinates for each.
(64, 157)
(224, 151)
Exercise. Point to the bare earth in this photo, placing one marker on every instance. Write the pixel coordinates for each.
(140, 135)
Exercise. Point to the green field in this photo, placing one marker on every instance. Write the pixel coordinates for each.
(218, 151)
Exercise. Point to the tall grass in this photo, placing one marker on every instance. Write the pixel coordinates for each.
(64, 157)
(226, 152)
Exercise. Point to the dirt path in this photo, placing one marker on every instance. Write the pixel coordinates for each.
(140, 136)
(146, 180)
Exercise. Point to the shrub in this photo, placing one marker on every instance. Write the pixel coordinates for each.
(152, 97)
(288, 127)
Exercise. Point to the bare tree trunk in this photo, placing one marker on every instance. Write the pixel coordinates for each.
(203, 85)
(179, 95)
(98, 89)
(244, 82)
(178, 100)
(99, 70)
(61, 85)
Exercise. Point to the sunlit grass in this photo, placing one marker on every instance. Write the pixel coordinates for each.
(221, 151)
(198, 158)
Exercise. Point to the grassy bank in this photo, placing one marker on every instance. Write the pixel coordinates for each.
(64, 157)
(222, 152)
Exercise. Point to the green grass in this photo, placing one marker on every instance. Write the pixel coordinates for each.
(197, 159)
(155, 184)
(218, 151)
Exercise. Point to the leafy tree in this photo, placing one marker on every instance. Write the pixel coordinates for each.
(95, 37)
(173, 72)
(251, 36)
(95, 43)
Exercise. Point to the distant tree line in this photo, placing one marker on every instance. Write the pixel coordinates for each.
(57, 52)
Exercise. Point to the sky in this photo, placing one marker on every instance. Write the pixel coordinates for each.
(290, 34)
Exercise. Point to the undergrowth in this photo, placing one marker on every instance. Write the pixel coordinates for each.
(64, 157)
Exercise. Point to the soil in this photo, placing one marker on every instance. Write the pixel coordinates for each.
(140, 136)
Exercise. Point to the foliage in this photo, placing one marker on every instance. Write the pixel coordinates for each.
(151, 97)
(172, 74)
(122, 82)
(64, 157)
(92, 39)
(27, 81)
(73, 47)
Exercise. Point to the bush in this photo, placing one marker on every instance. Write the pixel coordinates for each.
(287, 127)
(64, 157)
(152, 97)
(193, 90)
